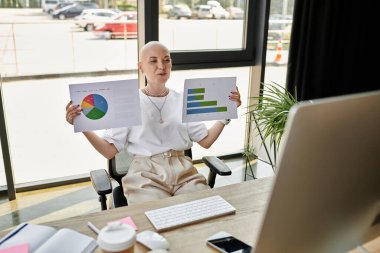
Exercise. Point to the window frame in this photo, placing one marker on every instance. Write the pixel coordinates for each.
(184, 60)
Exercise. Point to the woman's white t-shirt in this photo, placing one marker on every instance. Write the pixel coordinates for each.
(153, 137)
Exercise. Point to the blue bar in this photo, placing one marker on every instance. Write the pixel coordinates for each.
(202, 110)
(196, 90)
(194, 104)
(194, 98)
(202, 104)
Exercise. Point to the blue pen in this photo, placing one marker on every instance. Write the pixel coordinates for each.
(13, 233)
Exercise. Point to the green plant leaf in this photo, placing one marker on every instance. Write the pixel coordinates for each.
(271, 111)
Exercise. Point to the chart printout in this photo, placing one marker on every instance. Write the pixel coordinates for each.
(207, 99)
(109, 104)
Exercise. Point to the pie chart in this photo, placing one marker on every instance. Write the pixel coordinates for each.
(94, 106)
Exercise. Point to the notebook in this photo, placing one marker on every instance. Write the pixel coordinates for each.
(326, 194)
(45, 239)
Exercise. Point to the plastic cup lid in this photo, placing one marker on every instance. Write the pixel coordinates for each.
(116, 236)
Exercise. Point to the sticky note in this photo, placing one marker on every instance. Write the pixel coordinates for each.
(22, 248)
(127, 220)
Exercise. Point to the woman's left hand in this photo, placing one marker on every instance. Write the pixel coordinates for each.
(235, 96)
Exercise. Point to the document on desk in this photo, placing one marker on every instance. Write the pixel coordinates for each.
(207, 99)
(105, 105)
(45, 239)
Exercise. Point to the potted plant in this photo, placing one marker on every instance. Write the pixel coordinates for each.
(269, 113)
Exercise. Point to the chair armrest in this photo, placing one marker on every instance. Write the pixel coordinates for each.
(216, 165)
(101, 181)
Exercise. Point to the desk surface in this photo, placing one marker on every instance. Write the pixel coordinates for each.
(248, 198)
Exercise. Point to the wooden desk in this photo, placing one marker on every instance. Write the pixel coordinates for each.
(248, 198)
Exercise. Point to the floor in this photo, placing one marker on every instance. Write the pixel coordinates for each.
(71, 200)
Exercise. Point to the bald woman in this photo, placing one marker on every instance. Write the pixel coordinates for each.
(159, 168)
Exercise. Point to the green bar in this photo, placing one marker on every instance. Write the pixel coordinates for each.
(196, 90)
(196, 97)
(208, 103)
(222, 109)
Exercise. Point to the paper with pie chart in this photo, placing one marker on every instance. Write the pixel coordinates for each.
(207, 99)
(104, 105)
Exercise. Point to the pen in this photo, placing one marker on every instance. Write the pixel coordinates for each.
(13, 233)
(93, 228)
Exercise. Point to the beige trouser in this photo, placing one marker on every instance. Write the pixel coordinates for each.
(160, 176)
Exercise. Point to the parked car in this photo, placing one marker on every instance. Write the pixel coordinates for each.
(235, 12)
(213, 3)
(89, 18)
(61, 5)
(219, 12)
(73, 10)
(179, 11)
(123, 25)
(279, 21)
(48, 6)
(279, 26)
(202, 11)
(166, 8)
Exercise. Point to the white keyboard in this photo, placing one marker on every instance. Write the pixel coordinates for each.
(189, 212)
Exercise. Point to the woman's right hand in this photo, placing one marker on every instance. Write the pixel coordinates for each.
(72, 111)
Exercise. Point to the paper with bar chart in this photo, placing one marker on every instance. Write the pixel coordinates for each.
(207, 99)
(109, 104)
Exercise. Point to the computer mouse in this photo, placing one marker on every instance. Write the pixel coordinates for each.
(152, 240)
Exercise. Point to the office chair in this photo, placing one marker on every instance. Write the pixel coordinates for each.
(118, 167)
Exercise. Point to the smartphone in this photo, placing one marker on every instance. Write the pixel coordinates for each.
(226, 243)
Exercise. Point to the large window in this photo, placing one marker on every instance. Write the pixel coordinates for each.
(42, 55)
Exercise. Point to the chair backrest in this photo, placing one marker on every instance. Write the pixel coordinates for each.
(119, 165)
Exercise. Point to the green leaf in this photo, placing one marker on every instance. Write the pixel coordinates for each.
(271, 111)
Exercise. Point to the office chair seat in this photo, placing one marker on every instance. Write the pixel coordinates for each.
(118, 168)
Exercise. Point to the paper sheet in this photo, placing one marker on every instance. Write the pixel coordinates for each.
(105, 105)
(67, 240)
(207, 99)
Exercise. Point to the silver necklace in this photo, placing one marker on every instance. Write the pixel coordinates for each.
(159, 109)
(164, 93)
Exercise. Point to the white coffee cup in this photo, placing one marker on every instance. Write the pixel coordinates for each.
(117, 237)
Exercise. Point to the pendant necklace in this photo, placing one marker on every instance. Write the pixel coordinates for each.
(159, 109)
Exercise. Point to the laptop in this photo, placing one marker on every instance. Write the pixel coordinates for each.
(326, 194)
